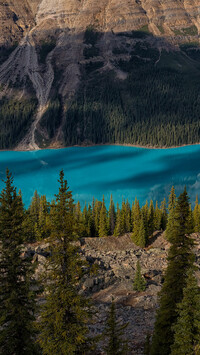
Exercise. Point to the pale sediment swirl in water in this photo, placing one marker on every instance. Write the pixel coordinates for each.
(124, 172)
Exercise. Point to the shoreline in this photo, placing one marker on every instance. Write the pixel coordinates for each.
(56, 147)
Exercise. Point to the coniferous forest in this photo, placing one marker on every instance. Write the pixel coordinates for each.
(156, 104)
(59, 324)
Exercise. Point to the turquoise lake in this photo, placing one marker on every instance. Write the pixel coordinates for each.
(124, 172)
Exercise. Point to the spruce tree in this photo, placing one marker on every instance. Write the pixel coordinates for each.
(63, 321)
(157, 217)
(171, 216)
(164, 216)
(136, 223)
(151, 226)
(111, 217)
(180, 259)
(17, 301)
(187, 328)
(103, 222)
(141, 234)
(127, 217)
(196, 216)
(118, 227)
(114, 334)
(139, 283)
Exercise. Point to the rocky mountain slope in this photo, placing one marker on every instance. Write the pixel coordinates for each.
(113, 261)
(50, 50)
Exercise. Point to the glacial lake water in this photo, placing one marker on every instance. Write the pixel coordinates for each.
(125, 172)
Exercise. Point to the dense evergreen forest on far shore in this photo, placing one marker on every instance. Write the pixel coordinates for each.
(60, 324)
(16, 117)
(157, 104)
(148, 96)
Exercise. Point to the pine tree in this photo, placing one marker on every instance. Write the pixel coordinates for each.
(180, 259)
(139, 283)
(171, 217)
(116, 345)
(151, 226)
(42, 227)
(196, 216)
(63, 322)
(17, 301)
(111, 217)
(103, 222)
(96, 216)
(141, 240)
(157, 217)
(118, 227)
(164, 216)
(187, 328)
(136, 223)
(127, 217)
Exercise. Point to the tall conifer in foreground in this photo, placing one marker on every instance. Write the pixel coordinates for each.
(63, 322)
(116, 345)
(171, 216)
(180, 260)
(187, 328)
(17, 302)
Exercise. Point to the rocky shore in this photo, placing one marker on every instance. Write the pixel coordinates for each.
(112, 262)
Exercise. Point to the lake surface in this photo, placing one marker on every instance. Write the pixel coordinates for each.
(126, 172)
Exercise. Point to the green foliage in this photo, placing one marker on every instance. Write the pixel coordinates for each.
(187, 328)
(63, 322)
(180, 260)
(51, 119)
(139, 282)
(156, 105)
(17, 301)
(161, 29)
(111, 217)
(196, 216)
(15, 119)
(188, 31)
(171, 217)
(103, 221)
(114, 334)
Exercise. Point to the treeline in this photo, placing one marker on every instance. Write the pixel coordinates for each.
(61, 326)
(95, 220)
(157, 104)
(15, 119)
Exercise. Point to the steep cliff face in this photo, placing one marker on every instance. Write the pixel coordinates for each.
(114, 15)
(48, 47)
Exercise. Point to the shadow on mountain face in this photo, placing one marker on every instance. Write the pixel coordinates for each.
(112, 87)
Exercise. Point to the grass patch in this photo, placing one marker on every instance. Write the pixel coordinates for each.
(188, 31)
(161, 29)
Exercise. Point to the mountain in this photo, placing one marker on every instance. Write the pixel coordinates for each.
(90, 72)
